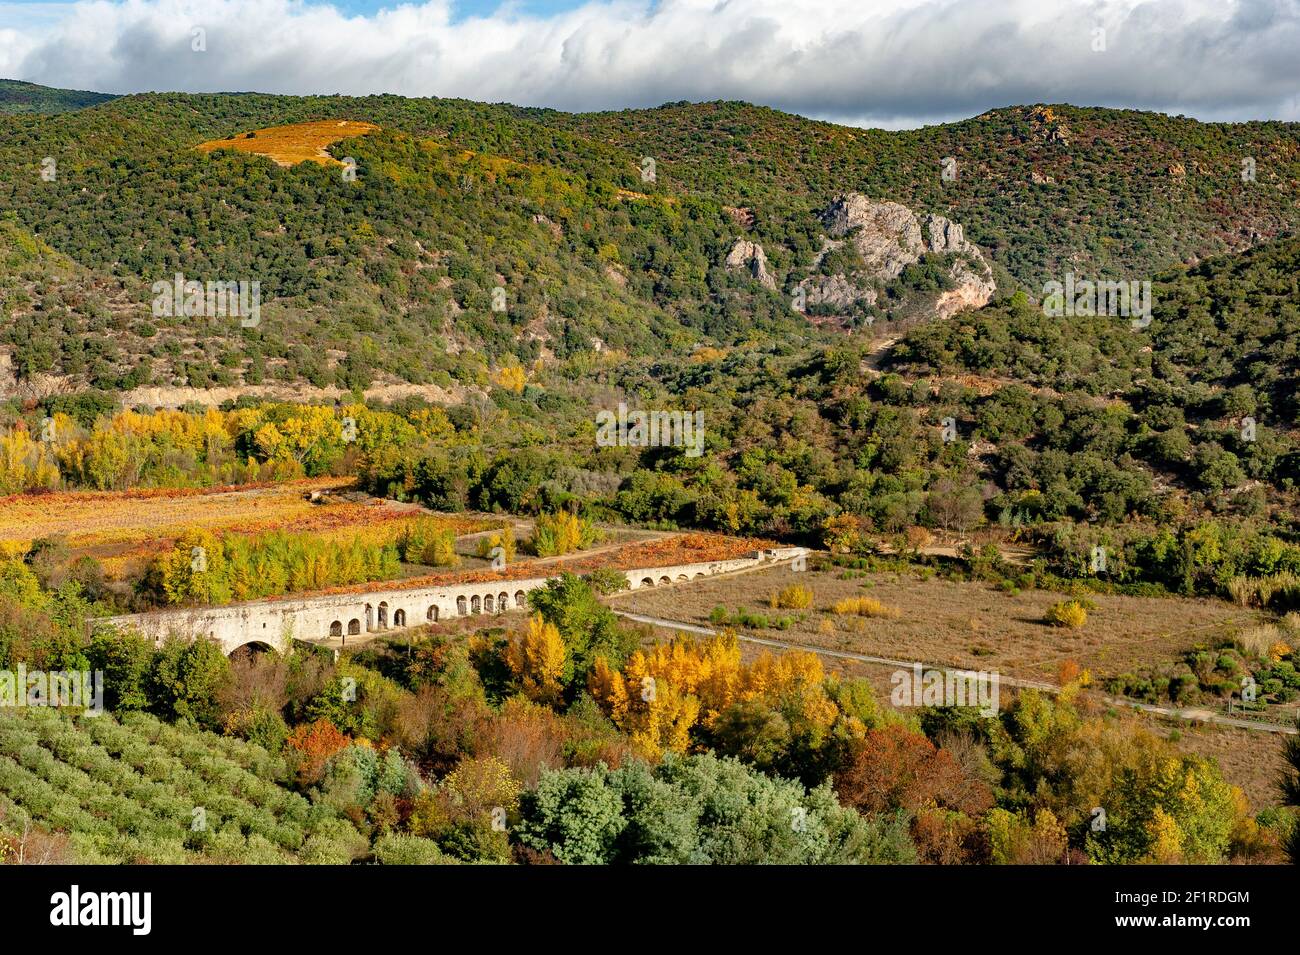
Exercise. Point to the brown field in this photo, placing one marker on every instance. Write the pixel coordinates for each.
(295, 143)
(968, 625)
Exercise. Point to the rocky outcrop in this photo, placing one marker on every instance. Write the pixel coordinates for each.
(888, 237)
(751, 257)
(946, 235)
(835, 291)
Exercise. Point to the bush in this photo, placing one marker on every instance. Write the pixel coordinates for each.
(402, 849)
(424, 541)
(1257, 641)
(504, 538)
(1067, 613)
(794, 597)
(607, 580)
(865, 607)
(562, 533)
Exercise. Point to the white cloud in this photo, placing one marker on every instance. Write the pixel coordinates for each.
(872, 62)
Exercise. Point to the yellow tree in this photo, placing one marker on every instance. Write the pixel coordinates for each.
(25, 463)
(536, 658)
(794, 683)
(644, 703)
(510, 378)
(195, 570)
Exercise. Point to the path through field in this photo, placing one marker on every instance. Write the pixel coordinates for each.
(1199, 715)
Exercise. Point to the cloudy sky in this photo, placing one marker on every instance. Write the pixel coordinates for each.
(889, 63)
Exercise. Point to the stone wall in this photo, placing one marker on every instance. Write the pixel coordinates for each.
(276, 623)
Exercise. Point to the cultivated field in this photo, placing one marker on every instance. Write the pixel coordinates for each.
(127, 792)
(123, 530)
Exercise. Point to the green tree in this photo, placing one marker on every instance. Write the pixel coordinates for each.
(187, 680)
(589, 628)
(127, 661)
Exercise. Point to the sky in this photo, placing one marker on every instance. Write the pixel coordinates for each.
(886, 63)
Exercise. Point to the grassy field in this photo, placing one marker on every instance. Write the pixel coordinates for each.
(970, 625)
(975, 626)
(294, 143)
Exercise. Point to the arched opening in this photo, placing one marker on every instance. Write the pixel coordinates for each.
(647, 582)
(664, 580)
(370, 618)
(432, 613)
(475, 605)
(460, 605)
(246, 651)
(399, 618)
(681, 577)
(503, 602)
(519, 598)
(383, 615)
(336, 628)
(354, 627)
(489, 604)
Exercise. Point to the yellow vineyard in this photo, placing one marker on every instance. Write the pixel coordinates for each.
(123, 530)
(295, 143)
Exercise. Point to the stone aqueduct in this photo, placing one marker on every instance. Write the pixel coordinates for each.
(277, 622)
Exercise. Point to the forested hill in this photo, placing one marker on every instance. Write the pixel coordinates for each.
(393, 274)
(19, 97)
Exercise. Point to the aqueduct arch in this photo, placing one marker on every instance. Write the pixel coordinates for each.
(276, 622)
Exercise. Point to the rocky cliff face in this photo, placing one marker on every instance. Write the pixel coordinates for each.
(886, 237)
(750, 257)
(889, 237)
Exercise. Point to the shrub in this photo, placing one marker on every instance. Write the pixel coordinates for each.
(1067, 613)
(424, 541)
(865, 607)
(794, 597)
(402, 849)
(1257, 641)
(504, 538)
(607, 580)
(1281, 590)
(322, 850)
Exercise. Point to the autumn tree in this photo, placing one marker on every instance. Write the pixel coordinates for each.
(315, 743)
(893, 767)
(536, 658)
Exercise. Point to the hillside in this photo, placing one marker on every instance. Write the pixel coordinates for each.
(1043, 187)
(266, 358)
(19, 97)
(391, 277)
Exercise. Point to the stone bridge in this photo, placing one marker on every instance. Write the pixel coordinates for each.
(274, 623)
